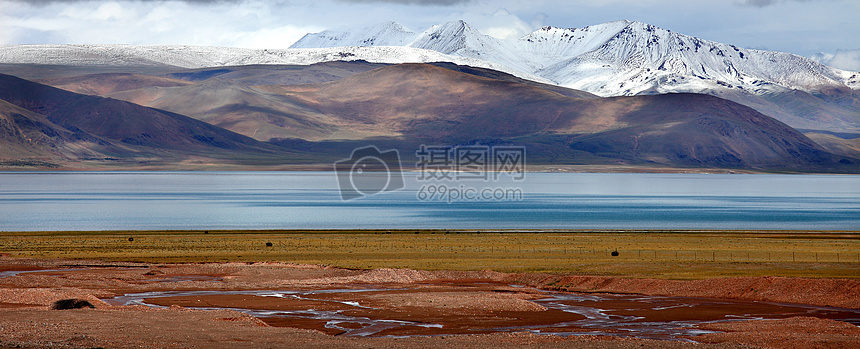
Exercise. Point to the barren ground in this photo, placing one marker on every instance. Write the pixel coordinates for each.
(461, 300)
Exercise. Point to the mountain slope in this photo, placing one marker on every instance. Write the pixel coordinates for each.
(648, 54)
(610, 59)
(563, 55)
(430, 102)
(626, 58)
(119, 120)
(382, 34)
(837, 145)
(107, 83)
(195, 57)
(28, 135)
(239, 108)
(221, 96)
(405, 105)
(426, 103)
(497, 75)
(703, 130)
(272, 74)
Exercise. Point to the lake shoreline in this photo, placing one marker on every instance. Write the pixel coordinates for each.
(206, 165)
(326, 167)
(763, 232)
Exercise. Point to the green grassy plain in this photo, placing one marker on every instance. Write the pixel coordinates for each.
(673, 255)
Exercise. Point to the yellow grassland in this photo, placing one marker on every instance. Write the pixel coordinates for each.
(674, 255)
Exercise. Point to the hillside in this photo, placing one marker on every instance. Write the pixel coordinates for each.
(223, 96)
(402, 106)
(119, 120)
(441, 105)
(57, 126)
(625, 58)
(27, 136)
(621, 58)
(106, 83)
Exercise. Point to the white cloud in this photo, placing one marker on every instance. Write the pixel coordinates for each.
(111, 11)
(411, 2)
(254, 24)
(501, 23)
(539, 20)
(766, 3)
(801, 27)
(842, 59)
(281, 37)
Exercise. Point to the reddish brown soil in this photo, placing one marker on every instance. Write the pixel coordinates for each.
(459, 300)
(178, 328)
(796, 332)
(843, 293)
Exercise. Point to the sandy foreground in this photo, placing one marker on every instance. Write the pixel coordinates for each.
(462, 302)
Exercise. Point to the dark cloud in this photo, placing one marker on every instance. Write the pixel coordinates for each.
(411, 2)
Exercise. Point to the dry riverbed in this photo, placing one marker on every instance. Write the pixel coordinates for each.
(254, 305)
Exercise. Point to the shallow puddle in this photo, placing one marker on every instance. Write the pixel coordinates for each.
(481, 308)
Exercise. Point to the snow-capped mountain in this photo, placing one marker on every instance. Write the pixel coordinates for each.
(626, 58)
(454, 38)
(610, 59)
(207, 56)
(382, 34)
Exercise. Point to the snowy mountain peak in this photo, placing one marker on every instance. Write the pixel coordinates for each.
(448, 30)
(609, 59)
(667, 57)
(628, 58)
(382, 34)
(614, 58)
(618, 22)
(568, 42)
(451, 38)
(458, 25)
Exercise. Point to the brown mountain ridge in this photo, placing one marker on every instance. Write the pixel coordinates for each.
(434, 104)
(40, 121)
(405, 105)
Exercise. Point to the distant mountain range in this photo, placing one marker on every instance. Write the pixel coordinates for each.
(127, 56)
(619, 58)
(398, 106)
(46, 125)
(627, 58)
(602, 58)
(121, 106)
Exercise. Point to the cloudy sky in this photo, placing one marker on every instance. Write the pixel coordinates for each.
(804, 27)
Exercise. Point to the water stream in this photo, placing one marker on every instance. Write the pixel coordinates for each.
(649, 317)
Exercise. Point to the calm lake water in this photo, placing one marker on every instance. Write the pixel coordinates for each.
(312, 200)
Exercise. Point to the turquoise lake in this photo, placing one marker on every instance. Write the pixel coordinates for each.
(50, 201)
